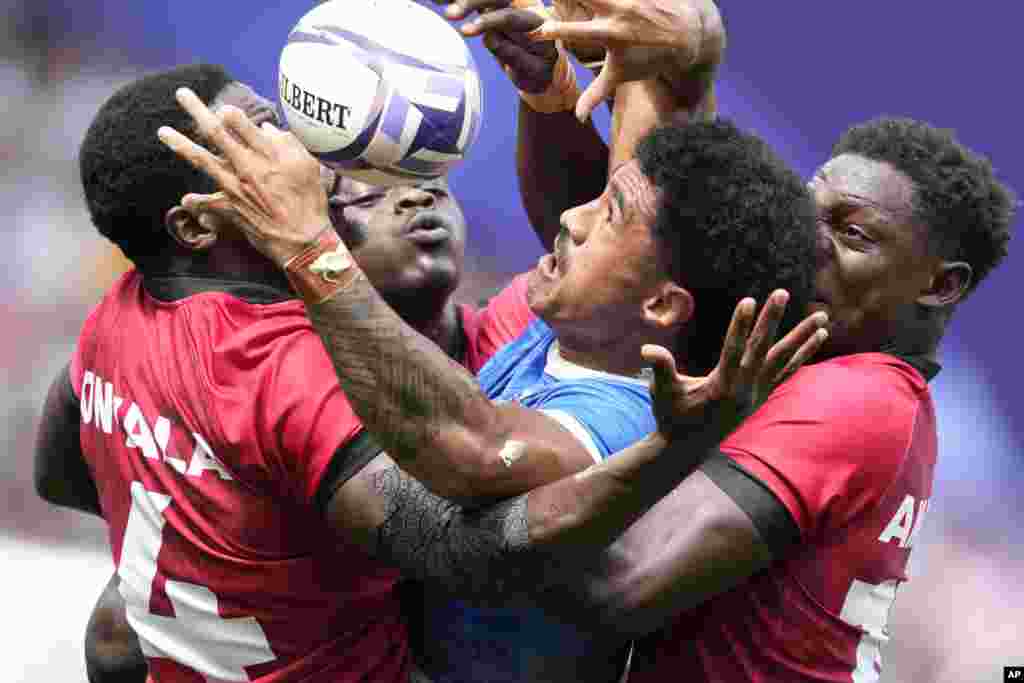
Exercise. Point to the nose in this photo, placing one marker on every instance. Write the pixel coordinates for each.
(413, 198)
(574, 222)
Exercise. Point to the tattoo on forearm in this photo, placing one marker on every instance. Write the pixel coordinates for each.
(401, 384)
(480, 555)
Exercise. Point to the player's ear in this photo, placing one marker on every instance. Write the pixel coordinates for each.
(948, 285)
(184, 227)
(670, 306)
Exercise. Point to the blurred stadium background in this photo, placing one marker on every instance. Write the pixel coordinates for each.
(798, 73)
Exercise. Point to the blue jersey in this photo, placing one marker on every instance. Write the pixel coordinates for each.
(606, 413)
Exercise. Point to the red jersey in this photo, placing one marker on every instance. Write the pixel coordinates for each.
(848, 446)
(209, 419)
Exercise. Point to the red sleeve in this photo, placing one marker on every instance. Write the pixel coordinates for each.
(503, 319)
(303, 418)
(829, 442)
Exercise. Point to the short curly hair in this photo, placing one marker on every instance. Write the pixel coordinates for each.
(968, 213)
(129, 177)
(735, 221)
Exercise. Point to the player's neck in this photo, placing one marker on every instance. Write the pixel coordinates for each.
(439, 324)
(227, 262)
(625, 361)
(271, 277)
(445, 331)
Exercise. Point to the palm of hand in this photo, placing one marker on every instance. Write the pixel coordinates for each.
(686, 405)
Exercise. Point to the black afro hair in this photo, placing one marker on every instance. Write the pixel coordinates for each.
(129, 177)
(735, 222)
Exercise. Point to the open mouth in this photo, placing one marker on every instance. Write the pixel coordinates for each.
(428, 228)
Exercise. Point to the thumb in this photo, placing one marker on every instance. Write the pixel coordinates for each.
(662, 362)
(216, 210)
(602, 88)
(206, 202)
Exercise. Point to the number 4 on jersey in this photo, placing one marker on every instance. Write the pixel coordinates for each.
(196, 636)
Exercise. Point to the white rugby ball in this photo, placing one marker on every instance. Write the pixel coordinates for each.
(385, 91)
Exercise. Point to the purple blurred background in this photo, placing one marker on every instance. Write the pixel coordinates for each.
(798, 73)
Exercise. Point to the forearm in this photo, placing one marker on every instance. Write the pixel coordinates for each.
(561, 163)
(425, 410)
(523, 547)
(586, 512)
(478, 555)
(640, 106)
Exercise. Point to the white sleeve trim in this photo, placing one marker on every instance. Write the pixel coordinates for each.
(577, 429)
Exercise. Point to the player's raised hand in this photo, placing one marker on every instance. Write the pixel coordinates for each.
(265, 175)
(643, 39)
(504, 25)
(540, 70)
(750, 367)
(561, 10)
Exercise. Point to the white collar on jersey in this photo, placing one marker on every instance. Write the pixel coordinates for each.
(558, 367)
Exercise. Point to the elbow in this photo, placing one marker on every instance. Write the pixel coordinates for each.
(617, 603)
(470, 482)
(617, 594)
(628, 606)
(474, 473)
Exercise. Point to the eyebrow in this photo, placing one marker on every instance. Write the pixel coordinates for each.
(849, 203)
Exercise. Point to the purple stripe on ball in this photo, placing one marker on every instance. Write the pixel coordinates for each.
(395, 117)
(373, 51)
(305, 37)
(445, 85)
(355, 148)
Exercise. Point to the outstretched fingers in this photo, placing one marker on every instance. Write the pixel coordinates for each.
(213, 128)
(601, 88)
(729, 363)
(762, 337)
(463, 8)
(507, 20)
(596, 32)
(663, 363)
(201, 158)
(795, 349)
(258, 139)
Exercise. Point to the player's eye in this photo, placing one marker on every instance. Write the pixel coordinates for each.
(365, 201)
(854, 231)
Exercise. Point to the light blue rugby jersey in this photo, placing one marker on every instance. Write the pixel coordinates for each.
(607, 413)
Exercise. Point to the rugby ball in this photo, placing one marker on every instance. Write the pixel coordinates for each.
(385, 91)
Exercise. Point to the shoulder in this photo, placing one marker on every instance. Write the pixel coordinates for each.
(837, 431)
(614, 414)
(272, 358)
(123, 293)
(276, 394)
(865, 391)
